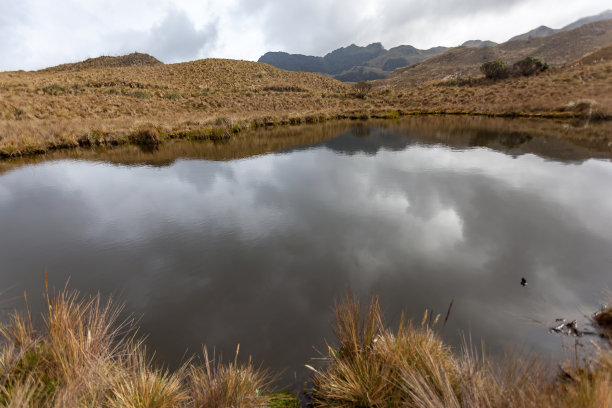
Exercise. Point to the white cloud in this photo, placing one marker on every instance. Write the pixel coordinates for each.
(39, 33)
(174, 39)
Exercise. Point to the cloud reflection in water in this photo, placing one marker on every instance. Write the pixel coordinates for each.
(254, 251)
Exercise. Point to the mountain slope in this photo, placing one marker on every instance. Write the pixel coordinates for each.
(601, 55)
(478, 43)
(543, 31)
(353, 63)
(556, 50)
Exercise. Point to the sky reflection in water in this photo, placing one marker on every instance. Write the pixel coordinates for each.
(254, 251)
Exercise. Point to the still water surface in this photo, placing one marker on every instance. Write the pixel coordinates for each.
(255, 250)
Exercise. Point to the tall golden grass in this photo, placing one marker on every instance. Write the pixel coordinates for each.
(374, 366)
(86, 356)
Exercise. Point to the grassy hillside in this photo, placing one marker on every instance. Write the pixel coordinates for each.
(54, 108)
(584, 90)
(601, 55)
(556, 50)
(86, 105)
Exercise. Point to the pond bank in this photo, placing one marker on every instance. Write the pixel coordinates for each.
(213, 99)
(224, 128)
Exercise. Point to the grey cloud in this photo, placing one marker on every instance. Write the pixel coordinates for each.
(319, 27)
(306, 27)
(13, 20)
(174, 39)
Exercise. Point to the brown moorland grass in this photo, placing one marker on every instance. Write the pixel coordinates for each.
(84, 356)
(214, 99)
(579, 91)
(601, 55)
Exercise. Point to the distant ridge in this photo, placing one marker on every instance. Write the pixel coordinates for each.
(543, 31)
(478, 43)
(557, 49)
(130, 60)
(353, 63)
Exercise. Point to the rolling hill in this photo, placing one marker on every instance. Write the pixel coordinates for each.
(131, 60)
(601, 55)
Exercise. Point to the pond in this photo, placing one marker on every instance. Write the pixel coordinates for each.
(250, 242)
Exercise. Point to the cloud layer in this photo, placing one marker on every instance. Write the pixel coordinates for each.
(38, 33)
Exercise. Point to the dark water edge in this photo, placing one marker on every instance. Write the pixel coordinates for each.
(250, 241)
(572, 140)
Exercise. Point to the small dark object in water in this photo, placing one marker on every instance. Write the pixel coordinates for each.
(523, 282)
(448, 312)
(568, 329)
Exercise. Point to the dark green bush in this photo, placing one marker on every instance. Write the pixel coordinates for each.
(141, 94)
(174, 96)
(529, 66)
(497, 69)
(54, 90)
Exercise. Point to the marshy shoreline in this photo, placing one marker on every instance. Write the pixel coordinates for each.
(215, 99)
(84, 354)
(224, 128)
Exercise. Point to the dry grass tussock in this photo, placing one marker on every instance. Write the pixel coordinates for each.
(85, 356)
(374, 366)
(88, 105)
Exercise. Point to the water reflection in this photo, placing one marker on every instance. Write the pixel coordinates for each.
(254, 251)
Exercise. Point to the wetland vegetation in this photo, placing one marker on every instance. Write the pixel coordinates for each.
(85, 355)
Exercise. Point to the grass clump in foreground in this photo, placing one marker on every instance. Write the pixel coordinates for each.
(86, 357)
(374, 366)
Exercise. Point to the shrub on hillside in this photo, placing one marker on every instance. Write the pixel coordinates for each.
(362, 88)
(497, 69)
(529, 66)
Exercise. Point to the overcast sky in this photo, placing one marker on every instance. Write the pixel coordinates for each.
(40, 33)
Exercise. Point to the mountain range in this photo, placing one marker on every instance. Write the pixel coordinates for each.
(557, 50)
(355, 63)
(543, 31)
